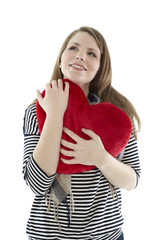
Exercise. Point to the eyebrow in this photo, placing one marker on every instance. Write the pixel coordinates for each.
(91, 49)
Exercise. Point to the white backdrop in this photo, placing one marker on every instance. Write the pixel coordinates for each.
(32, 32)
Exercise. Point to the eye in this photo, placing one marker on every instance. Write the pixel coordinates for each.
(92, 54)
(73, 48)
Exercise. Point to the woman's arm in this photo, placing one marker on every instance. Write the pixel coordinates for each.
(117, 173)
(46, 153)
(34, 176)
(92, 152)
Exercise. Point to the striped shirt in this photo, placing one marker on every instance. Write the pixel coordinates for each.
(97, 213)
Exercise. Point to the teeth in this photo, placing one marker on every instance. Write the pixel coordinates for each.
(78, 67)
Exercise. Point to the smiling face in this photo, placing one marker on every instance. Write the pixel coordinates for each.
(80, 60)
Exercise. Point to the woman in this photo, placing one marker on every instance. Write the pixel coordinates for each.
(83, 59)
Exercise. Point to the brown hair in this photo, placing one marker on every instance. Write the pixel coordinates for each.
(102, 82)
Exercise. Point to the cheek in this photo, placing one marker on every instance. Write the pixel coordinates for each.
(63, 62)
(66, 56)
(95, 67)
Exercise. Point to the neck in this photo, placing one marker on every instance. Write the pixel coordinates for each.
(85, 88)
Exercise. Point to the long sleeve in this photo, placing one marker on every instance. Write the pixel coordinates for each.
(130, 156)
(34, 176)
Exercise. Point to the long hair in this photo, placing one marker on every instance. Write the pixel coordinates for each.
(102, 82)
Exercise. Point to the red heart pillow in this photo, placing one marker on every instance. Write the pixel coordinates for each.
(106, 120)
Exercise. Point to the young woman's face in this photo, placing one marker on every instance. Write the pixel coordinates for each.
(80, 60)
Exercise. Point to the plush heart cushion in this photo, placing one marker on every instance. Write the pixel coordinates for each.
(106, 120)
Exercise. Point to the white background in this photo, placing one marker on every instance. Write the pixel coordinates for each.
(31, 34)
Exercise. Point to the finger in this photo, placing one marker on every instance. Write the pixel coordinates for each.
(39, 96)
(72, 134)
(69, 162)
(90, 133)
(66, 89)
(60, 84)
(48, 86)
(68, 144)
(67, 153)
(54, 83)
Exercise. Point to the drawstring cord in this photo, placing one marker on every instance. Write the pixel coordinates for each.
(113, 191)
(70, 209)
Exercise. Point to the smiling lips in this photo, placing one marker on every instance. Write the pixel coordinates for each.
(78, 67)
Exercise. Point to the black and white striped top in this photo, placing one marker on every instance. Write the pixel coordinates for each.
(97, 214)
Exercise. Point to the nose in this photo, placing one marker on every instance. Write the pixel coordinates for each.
(80, 56)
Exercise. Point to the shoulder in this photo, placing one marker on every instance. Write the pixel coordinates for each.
(30, 121)
(30, 110)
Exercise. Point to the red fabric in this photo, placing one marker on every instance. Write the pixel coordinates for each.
(106, 120)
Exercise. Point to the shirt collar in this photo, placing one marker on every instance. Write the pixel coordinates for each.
(93, 98)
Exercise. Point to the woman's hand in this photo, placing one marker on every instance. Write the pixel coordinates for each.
(92, 152)
(86, 152)
(55, 100)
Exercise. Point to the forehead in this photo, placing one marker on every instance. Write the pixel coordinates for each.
(84, 39)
